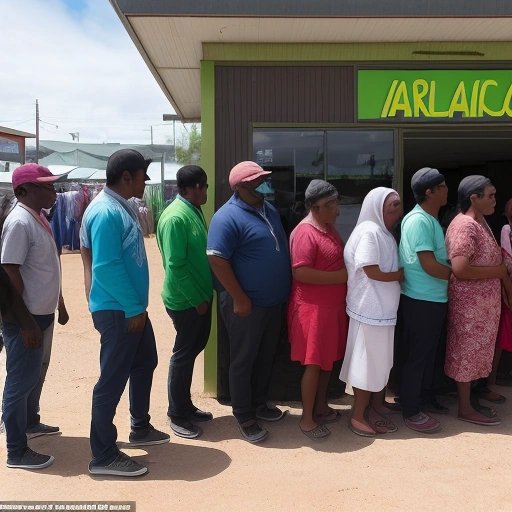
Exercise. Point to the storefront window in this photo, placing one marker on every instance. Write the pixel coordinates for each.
(354, 161)
(358, 161)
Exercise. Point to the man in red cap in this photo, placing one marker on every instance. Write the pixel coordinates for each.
(30, 259)
(248, 252)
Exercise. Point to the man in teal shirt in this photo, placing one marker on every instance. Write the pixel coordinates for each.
(187, 293)
(424, 300)
(117, 287)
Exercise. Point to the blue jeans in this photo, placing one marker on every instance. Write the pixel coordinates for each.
(192, 333)
(23, 384)
(123, 355)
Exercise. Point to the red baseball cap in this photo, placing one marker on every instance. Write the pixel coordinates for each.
(245, 171)
(32, 173)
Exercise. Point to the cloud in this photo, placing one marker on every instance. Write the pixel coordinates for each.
(76, 58)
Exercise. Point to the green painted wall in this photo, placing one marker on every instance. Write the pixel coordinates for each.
(351, 52)
(208, 163)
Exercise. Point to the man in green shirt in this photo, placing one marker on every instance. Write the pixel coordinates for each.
(187, 293)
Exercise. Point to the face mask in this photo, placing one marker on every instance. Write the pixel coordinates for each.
(260, 189)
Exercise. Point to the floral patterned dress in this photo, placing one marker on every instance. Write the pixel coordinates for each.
(473, 304)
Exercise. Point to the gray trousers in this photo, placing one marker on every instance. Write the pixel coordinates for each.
(253, 343)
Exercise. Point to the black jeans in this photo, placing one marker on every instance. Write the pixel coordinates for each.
(192, 333)
(421, 325)
(253, 343)
(124, 355)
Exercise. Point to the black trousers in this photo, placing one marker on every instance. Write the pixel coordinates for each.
(192, 333)
(421, 329)
(253, 343)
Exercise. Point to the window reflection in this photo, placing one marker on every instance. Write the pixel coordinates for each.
(354, 161)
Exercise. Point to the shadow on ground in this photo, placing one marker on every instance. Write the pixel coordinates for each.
(172, 461)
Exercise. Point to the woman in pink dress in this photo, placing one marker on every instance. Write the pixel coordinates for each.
(317, 322)
(474, 293)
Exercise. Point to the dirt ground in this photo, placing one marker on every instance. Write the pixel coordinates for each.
(464, 467)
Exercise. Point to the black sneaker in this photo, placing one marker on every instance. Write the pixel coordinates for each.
(271, 413)
(122, 465)
(148, 437)
(199, 416)
(30, 460)
(42, 430)
(252, 432)
(186, 429)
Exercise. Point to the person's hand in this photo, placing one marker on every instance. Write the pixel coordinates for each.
(503, 271)
(202, 308)
(32, 338)
(400, 275)
(137, 323)
(63, 317)
(242, 306)
(507, 292)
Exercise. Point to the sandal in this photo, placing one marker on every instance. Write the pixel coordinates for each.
(484, 420)
(379, 423)
(316, 433)
(490, 412)
(331, 417)
(361, 429)
(491, 396)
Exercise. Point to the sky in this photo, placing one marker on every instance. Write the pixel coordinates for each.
(77, 59)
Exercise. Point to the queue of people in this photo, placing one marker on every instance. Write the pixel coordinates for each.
(371, 302)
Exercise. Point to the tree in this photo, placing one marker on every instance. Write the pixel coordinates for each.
(188, 151)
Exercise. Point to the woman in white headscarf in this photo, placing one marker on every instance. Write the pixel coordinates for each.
(371, 258)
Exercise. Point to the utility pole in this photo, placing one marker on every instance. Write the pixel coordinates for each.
(37, 131)
(151, 134)
(173, 118)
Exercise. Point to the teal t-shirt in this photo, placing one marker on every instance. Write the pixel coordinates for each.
(422, 232)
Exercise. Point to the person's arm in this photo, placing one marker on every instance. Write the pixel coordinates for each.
(432, 267)
(242, 305)
(375, 273)
(311, 275)
(462, 269)
(173, 241)
(31, 334)
(87, 263)
(107, 259)
(63, 317)
(13, 271)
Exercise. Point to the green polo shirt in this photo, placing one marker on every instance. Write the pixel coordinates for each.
(181, 236)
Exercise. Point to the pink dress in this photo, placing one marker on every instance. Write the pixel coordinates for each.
(473, 304)
(317, 321)
(505, 328)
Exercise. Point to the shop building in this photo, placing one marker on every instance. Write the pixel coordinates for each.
(361, 93)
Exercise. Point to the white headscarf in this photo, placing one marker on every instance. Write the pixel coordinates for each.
(371, 219)
(371, 243)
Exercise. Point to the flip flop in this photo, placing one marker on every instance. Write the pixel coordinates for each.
(333, 416)
(379, 423)
(491, 396)
(490, 422)
(316, 433)
(490, 412)
(360, 430)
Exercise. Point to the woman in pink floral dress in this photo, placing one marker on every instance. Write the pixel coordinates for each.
(474, 293)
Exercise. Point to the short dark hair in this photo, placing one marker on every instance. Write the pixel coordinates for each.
(125, 160)
(469, 186)
(190, 176)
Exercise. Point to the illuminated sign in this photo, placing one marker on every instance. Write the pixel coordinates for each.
(434, 95)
